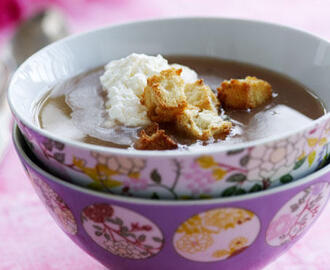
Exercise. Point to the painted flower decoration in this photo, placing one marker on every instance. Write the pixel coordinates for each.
(216, 234)
(273, 160)
(194, 243)
(280, 226)
(55, 204)
(98, 212)
(200, 181)
(227, 218)
(121, 231)
(122, 165)
(125, 249)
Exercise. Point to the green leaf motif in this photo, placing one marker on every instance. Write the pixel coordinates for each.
(233, 190)
(234, 152)
(157, 239)
(155, 176)
(124, 229)
(155, 196)
(229, 191)
(240, 191)
(299, 163)
(97, 227)
(205, 196)
(255, 188)
(244, 160)
(95, 186)
(97, 233)
(116, 221)
(119, 221)
(141, 238)
(107, 236)
(286, 179)
(237, 178)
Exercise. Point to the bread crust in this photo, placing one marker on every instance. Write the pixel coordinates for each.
(247, 93)
(153, 138)
(193, 107)
(164, 96)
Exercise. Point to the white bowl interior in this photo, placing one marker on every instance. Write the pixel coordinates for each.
(301, 56)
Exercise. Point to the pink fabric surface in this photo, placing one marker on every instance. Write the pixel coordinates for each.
(30, 240)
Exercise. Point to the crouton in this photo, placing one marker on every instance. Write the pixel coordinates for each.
(202, 124)
(164, 96)
(153, 138)
(245, 93)
(200, 95)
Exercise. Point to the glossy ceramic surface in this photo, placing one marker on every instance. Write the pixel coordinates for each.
(126, 233)
(214, 171)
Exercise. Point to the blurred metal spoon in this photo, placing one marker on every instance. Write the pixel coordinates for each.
(33, 34)
(37, 32)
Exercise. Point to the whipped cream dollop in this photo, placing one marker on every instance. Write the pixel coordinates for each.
(124, 81)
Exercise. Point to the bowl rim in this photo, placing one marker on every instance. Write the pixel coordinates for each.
(164, 153)
(18, 137)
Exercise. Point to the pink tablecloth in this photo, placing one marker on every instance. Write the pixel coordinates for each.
(30, 240)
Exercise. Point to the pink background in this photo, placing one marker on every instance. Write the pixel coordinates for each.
(29, 239)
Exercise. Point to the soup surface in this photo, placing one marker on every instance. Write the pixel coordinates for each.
(292, 105)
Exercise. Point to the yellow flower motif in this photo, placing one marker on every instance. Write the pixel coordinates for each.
(302, 155)
(194, 225)
(219, 173)
(311, 158)
(135, 175)
(323, 141)
(312, 141)
(237, 244)
(100, 174)
(206, 162)
(191, 226)
(227, 218)
(220, 253)
(194, 243)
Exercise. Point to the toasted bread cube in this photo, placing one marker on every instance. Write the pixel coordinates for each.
(200, 95)
(153, 138)
(202, 124)
(244, 93)
(164, 96)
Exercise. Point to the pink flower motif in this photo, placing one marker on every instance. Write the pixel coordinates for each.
(133, 183)
(281, 226)
(200, 181)
(272, 160)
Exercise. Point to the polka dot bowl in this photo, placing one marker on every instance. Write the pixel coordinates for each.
(131, 233)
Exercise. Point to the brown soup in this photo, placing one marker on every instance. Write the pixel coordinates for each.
(292, 105)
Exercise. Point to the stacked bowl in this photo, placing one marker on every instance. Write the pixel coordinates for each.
(223, 206)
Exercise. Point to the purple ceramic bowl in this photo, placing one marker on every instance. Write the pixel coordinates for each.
(128, 233)
(213, 171)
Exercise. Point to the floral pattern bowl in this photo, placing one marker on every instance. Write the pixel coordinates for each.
(131, 233)
(208, 172)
